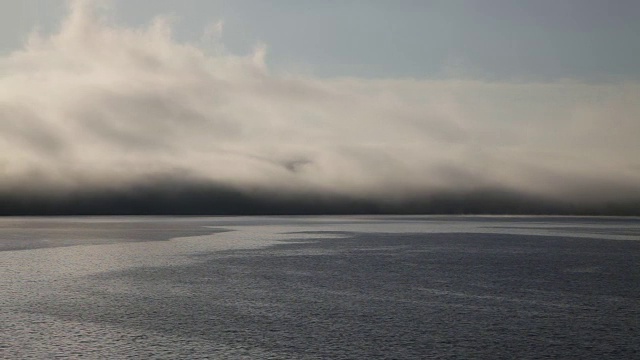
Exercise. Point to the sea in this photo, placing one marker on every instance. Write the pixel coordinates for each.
(321, 287)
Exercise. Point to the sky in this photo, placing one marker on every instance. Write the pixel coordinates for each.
(319, 106)
(591, 40)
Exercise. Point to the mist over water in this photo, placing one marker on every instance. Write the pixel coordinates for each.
(102, 118)
(410, 287)
(99, 117)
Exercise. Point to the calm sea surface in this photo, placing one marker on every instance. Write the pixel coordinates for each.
(387, 287)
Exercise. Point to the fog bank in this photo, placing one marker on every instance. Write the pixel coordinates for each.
(99, 112)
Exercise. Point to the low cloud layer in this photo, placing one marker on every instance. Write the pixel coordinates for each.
(98, 108)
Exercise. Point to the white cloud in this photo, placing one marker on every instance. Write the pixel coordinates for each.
(97, 104)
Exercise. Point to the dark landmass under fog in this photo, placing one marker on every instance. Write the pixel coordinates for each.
(175, 198)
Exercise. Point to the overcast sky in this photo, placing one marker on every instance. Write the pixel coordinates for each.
(368, 99)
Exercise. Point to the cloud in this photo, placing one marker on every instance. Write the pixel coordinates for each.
(101, 107)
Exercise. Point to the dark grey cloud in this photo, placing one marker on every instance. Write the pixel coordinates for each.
(180, 197)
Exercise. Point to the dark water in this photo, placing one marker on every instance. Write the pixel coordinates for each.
(320, 288)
